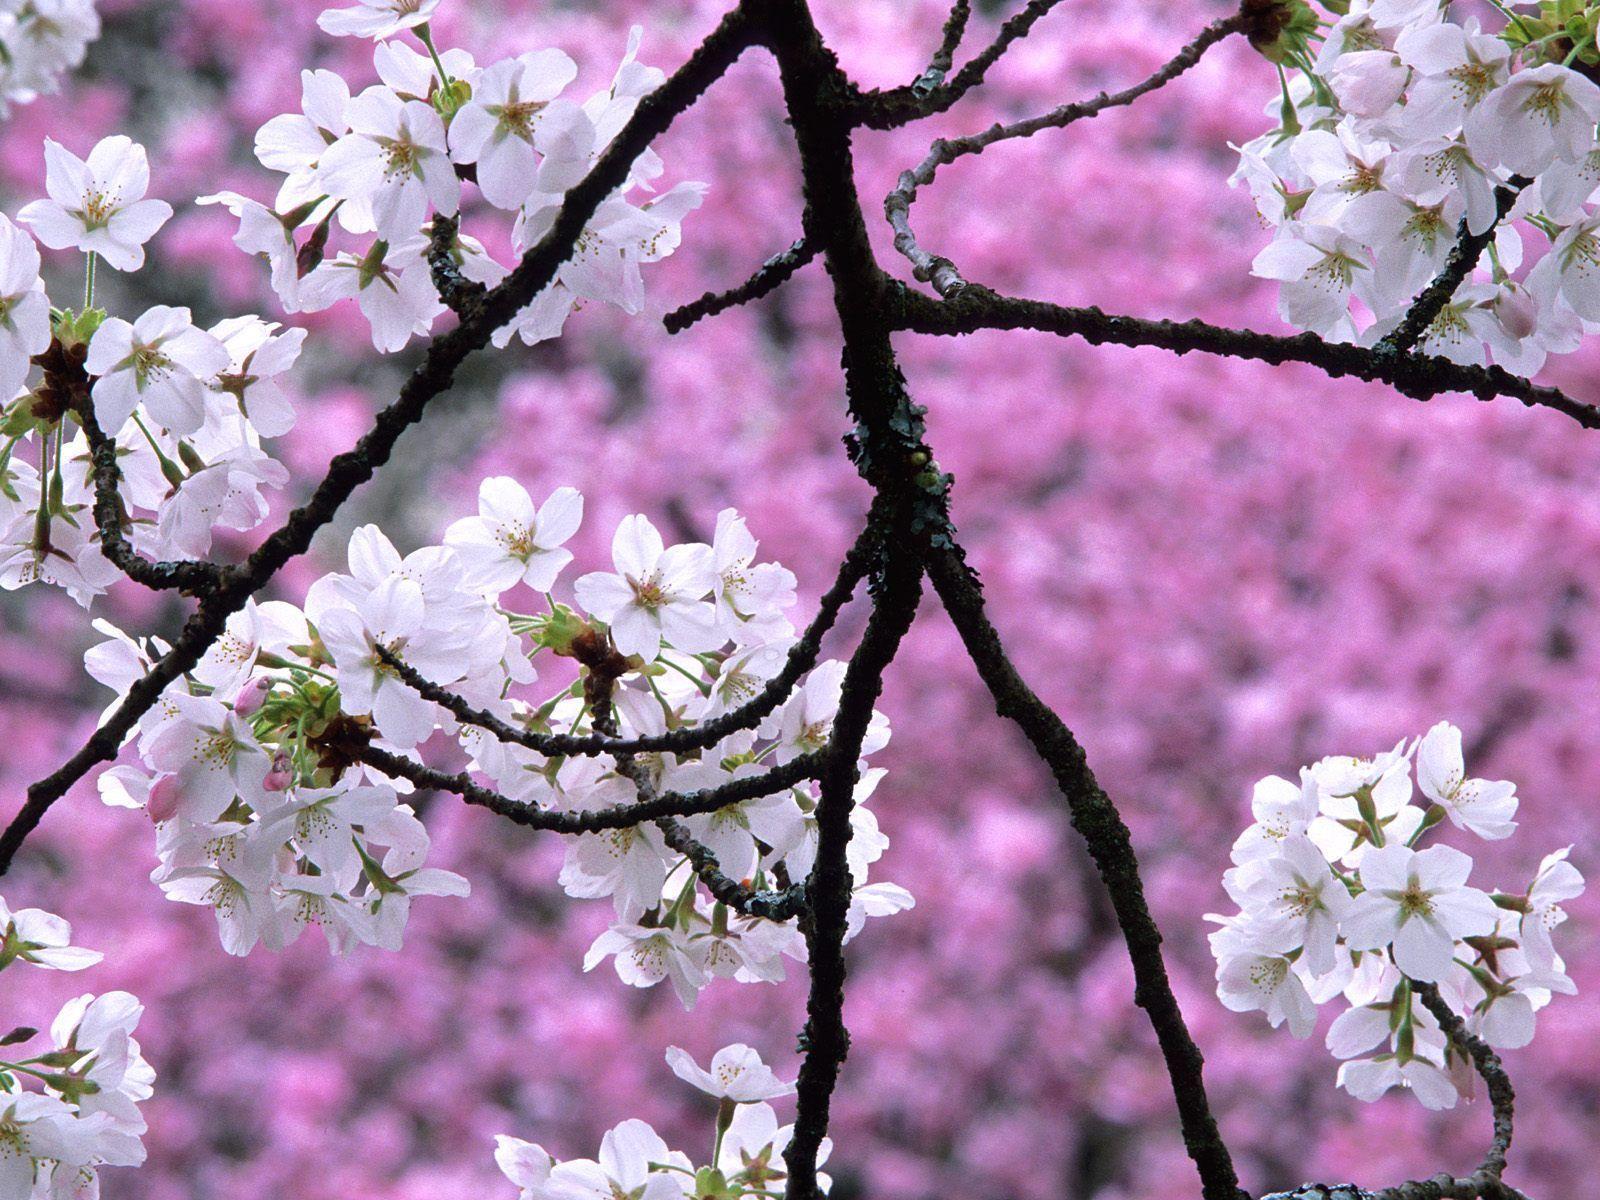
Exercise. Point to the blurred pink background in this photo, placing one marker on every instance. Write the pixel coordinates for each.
(1217, 570)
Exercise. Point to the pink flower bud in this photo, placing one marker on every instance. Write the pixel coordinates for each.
(251, 696)
(162, 803)
(1517, 313)
(281, 775)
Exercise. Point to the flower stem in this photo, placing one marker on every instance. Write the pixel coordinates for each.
(88, 279)
(425, 36)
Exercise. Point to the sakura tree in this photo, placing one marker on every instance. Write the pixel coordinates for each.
(709, 766)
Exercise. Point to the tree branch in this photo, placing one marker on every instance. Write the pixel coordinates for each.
(1416, 375)
(768, 278)
(899, 106)
(802, 657)
(940, 271)
(621, 816)
(1096, 818)
(1502, 1098)
(955, 28)
(347, 471)
(188, 577)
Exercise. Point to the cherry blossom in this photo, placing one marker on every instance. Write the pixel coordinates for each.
(376, 18)
(98, 205)
(736, 1073)
(520, 134)
(1417, 901)
(509, 543)
(160, 361)
(1479, 806)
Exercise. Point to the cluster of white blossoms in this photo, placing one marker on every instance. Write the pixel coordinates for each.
(40, 40)
(1336, 900)
(746, 1154)
(1402, 124)
(72, 1108)
(188, 407)
(250, 769)
(366, 174)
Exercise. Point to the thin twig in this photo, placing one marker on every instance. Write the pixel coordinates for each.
(955, 28)
(940, 271)
(622, 816)
(898, 106)
(768, 277)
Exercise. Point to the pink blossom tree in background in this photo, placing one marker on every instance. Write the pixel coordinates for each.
(1212, 567)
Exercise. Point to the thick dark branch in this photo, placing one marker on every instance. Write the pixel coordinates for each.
(1096, 818)
(1419, 376)
(1502, 1099)
(202, 628)
(459, 294)
(940, 271)
(899, 106)
(432, 377)
(769, 276)
(621, 816)
(1469, 248)
(825, 1039)
(1440, 1187)
(802, 657)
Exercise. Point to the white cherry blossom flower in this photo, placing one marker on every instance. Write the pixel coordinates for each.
(264, 234)
(376, 18)
(1556, 881)
(214, 754)
(525, 1164)
(98, 205)
(628, 1156)
(1282, 810)
(1248, 981)
(1320, 269)
(293, 144)
(514, 120)
(737, 1073)
(657, 592)
(394, 155)
(239, 893)
(1369, 1078)
(1481, 806)
(1539, 116)
(160, 361)
(647, 955)
(391, 283)
(24, 308)
(1456, 67)
(1417, 902)
(1298, 901)
(509, 543)
(257, 355)
(32, 935)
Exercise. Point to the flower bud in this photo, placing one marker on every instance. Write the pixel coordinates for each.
(252, 695)
(1279, 29)
(281, 775)
(1516, 311)
(162, 803)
